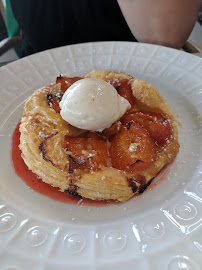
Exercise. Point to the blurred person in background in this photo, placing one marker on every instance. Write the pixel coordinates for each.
(46, 24)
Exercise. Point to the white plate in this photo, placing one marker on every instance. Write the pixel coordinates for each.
(158, 230)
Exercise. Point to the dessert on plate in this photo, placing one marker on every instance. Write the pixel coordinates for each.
(103, 136)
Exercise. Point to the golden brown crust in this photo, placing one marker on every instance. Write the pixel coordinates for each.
(42, 128)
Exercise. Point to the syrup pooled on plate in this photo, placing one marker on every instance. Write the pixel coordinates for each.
(35, 183)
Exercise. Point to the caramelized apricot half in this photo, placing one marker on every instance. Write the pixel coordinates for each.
(88, 151)
(124, 89)
(53, 101)
(158, 125)
(66, 82)
(132, 148)
(114, 129)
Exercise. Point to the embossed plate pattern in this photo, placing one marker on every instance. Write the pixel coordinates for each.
(161, 229)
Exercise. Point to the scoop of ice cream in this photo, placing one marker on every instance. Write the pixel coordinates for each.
(92, 104)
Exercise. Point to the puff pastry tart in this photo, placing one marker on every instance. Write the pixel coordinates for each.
(113, 164)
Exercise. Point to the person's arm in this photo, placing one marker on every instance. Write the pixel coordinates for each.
(164, 22)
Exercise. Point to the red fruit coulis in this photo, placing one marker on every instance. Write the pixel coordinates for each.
(34, 182)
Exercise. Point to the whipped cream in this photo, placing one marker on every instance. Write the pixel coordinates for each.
(92, 104)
